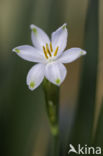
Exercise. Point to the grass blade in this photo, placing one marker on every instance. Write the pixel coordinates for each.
(82, 129)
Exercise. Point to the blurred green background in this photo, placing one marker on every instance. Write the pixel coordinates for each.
(24, 128)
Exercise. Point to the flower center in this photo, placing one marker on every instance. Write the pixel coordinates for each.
(48, 51)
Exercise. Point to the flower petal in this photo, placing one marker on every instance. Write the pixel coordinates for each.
(71, 55)
(29, 53)
(39, 37)
(59, 39)
(35, 76)
(55, 72)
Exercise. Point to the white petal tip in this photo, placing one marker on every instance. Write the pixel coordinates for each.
(31, 86)
(58, 82)
(33, 28)
(13, 50)
(32, 89)
(16, 50)
(64, 26)
(83, 52)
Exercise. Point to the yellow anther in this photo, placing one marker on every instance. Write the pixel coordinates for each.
(45, 53)
(51, 48)
(55, 53)
(47, 50)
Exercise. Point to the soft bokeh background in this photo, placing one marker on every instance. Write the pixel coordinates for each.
(24, 128)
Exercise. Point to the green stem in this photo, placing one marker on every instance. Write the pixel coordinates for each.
(52, 107)
(55, 148)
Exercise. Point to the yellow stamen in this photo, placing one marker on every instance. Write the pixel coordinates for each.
(51, 49)
(45, 53)
(55, 53)
(47, 50)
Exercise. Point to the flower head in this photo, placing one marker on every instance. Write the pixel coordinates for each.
(49, 56)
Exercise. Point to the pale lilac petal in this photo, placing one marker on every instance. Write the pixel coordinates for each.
(59, 39)
(39, 37)
(71, 55)
(35, 76)
(29, 53)
(55, 73)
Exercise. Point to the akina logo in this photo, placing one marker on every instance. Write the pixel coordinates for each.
(84, 150)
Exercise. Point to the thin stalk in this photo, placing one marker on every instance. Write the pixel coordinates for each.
(55, 148)
(52, 107)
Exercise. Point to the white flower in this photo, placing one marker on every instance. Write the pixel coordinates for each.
(49, 56)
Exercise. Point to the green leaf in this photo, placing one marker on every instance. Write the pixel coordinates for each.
(82, 129)
(98, 139)
(51, 93)
(19, 115)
